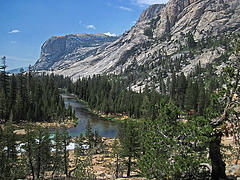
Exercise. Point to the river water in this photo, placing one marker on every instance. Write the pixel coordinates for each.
(104, 127)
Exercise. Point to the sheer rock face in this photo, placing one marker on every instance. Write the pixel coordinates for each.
(150, 13)
(169, 25)
(61, 51)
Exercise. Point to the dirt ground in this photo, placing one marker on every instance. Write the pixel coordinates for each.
(232, 168)
(104, 166)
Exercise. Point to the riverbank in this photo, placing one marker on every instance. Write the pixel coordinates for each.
(68, 124)
(110, 117)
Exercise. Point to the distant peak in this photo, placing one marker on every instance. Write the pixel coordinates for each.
(151, 12)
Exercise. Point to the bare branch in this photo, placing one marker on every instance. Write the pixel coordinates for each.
(207, 165)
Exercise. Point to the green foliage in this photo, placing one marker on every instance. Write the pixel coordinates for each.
(31, 98)
(78, 151)
(163, 145)
(149, 33)
(190, 40)
(112, 95)
(61, 154)
(43, 151)
(116, 152)
(37, 147)
(130, 142)
(172, 147)
(82, 171)
(65, 139)
(9, 162)
(57, 166)
(89, 134)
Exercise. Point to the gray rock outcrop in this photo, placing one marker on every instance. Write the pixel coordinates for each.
(61, 51)
(168, 28)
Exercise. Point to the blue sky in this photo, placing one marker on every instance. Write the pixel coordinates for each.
(26, 24)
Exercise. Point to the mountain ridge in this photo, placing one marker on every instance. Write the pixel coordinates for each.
(187, 29)
(60, 51)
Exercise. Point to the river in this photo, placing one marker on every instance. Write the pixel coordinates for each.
(104, 127)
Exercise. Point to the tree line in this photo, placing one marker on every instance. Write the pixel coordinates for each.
(31, 98)
(111, 94)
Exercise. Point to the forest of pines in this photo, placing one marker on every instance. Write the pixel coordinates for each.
(156, 138)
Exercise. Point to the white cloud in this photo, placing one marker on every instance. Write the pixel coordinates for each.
(109, 34)
(91, 26)
(125, 8)
(14, 58)
(79, 22)
(13, 42)
(14, 31)
(149, 2)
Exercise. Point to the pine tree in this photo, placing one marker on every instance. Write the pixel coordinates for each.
(8, 156)
(65, 142)
(190, 40)
(21, 97)
(30, 148)
(78, 150)
(2, 105)
(129, 139)
(13, 90)
(201, 100)
(116, 154)
(57, 154)
(69, 111)
(4, 95)
(43, 151)
(169, 145)
(191, 96)
(173, 85)
(89, 134)
(181, 90)
(222, 107)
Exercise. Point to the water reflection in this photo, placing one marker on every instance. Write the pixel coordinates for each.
(104, 127)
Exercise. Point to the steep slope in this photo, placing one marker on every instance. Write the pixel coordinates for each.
(151, 12)
(172, 37)
(61, 51)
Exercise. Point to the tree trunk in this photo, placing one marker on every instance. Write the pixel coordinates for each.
(218, 166)
(117, 169)
(65, 161)
(38, 166)
(129, 166)
(31, 165)
(30, 160)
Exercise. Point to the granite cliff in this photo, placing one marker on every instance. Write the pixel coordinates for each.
(180, 33)
(61, 51)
